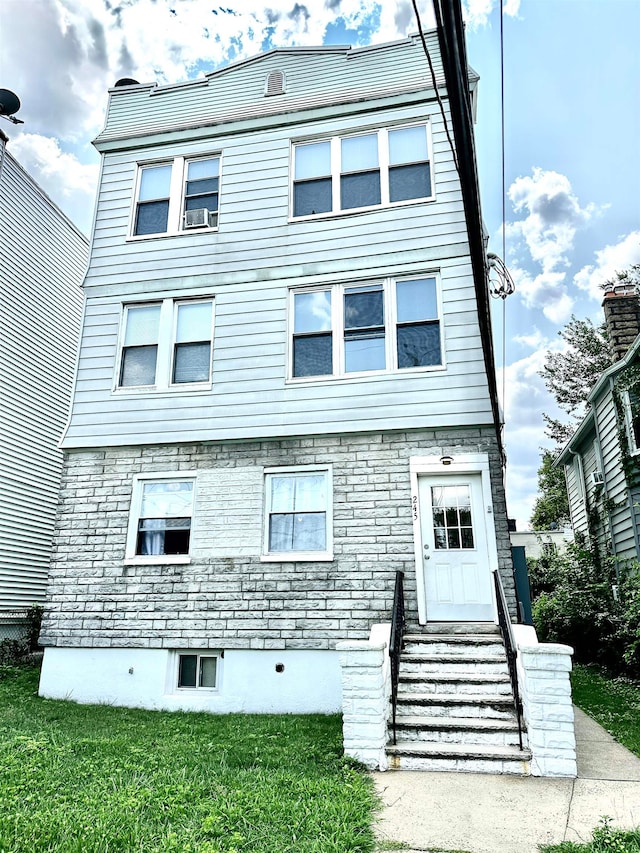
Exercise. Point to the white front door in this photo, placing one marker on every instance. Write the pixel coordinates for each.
(456, 566)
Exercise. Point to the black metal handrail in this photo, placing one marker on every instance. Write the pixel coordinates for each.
(504, 622)
(396, 643)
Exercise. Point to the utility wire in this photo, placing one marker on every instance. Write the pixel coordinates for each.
(435, 85)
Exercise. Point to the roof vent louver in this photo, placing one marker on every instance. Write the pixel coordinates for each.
(275, 83)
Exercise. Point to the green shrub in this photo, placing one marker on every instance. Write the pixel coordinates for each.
(591, 604)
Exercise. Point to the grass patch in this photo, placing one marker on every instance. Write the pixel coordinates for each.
(612, 702)
(605, 839)
(97, 779)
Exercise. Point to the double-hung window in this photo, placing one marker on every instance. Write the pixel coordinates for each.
(179, 195)
(374, 326)
(360, 171)
(298, 514)
(160, 519)
(166, 344)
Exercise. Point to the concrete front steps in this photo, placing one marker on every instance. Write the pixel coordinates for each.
(455, 708)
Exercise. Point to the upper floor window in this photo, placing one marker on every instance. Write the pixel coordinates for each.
(361, 171)
(160, 519)
(166, 344)
(180, 195)
(375, 326)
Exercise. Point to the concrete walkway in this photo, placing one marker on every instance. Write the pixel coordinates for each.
(479, 813)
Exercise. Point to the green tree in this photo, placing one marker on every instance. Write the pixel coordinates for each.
(552, 505)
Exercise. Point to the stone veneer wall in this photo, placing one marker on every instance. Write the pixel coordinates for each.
(241, 602)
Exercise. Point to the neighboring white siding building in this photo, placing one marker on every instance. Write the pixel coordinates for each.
(282, 395)
(42, 261)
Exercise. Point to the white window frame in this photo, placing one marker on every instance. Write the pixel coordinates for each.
(177, 189)
(383, 166)
(298, 556)
(628, 417)
(166, 346)
(337, 329)
(139, 480)
(199, 653)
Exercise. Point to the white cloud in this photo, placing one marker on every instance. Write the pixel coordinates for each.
(526, 399)
(546, 292)
(62, 176)
(609, 261)
(478, 12)
(553, 216)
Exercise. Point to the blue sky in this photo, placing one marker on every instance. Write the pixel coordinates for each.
(572, 125)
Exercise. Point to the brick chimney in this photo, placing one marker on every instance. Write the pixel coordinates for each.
(622, 315)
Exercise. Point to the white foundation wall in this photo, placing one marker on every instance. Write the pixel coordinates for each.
(146, 678)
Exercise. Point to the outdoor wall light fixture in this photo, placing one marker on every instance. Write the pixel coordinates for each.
(446, 460)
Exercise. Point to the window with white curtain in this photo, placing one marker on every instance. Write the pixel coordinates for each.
(160, 519)
(298, 514)
(375, 168)
(165, 344)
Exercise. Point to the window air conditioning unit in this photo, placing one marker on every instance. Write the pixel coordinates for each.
(597, 479)
(198, 218)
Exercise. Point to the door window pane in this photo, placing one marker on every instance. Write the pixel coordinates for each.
(451, 515)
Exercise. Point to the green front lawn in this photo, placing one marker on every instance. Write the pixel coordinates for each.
(614, 703)
(97, 779)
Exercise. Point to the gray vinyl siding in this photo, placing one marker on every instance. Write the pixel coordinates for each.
(257, 254)
(314, 78)
(42, 262)
(577, 505)
(622, 533)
